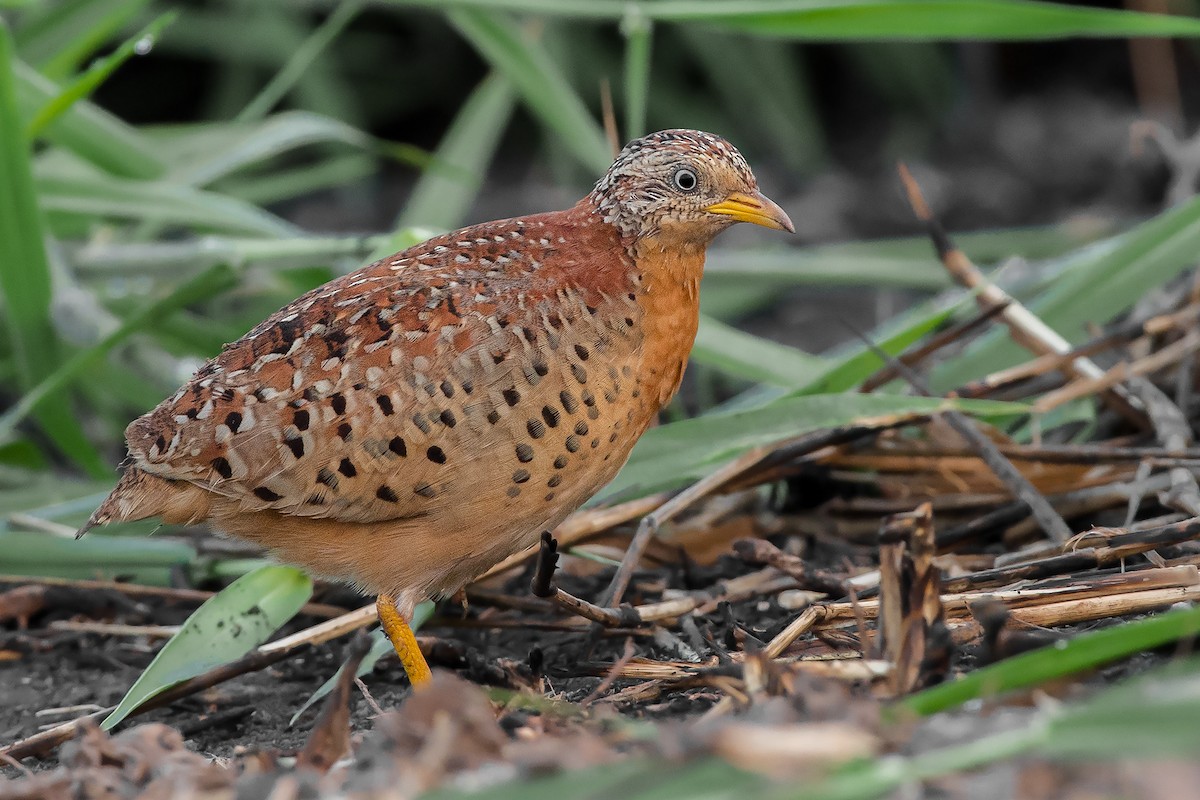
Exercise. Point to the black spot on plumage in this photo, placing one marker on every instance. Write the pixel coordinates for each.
(579, 373)
(511, 396)
(296, 445)
(581, 428)
(436, 454)
(327, 477)
(560, 462)
(467, 387)
(160, 443)
(447, 418)
(422, 423)
(385, 405)
(541, 367)
(347, 468)
(568, 401)
(338, 403)
(536, 429)
(555, 480)
(344, 430)
(448, 389)
(550, 414)
(385, 493)
(493, 417)
(572, 444)
(521, 476)
(397, 446)
(263, 493)
(582, 352)
(233, 421)
(301, 419)
(222, 468)
(524, 453)
(335, 342)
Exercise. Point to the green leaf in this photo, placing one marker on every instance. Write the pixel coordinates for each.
(60, 36)
(143, 560)
(639, 37)
(228, 626)
(921, 19)
(1083, 652)
(673, 454)
(302, 58)
(155, 201)
(381, 645)
(444, 193)
(211, 155)
(95, 75)
(851, 20)
(539, 83)
(25, 273)
(744, 355)
(88, 131)
(208, 284)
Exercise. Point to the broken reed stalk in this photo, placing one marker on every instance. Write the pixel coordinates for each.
(1025, 326)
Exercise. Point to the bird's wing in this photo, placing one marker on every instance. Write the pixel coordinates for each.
(370, 396)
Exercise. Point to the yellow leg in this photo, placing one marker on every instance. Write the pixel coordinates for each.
(396, 628)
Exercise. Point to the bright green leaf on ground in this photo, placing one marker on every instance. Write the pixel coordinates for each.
(228, 626)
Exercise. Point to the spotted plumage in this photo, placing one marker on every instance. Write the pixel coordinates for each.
(411, 423)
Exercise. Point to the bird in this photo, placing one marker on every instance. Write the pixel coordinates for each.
(410, 424)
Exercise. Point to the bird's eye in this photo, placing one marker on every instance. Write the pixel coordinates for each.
(685, 180)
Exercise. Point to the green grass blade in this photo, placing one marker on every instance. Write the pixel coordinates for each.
(841, 20)
(206, 285)
(289, 75)
(1085, 651)
(25, 273)
(58, 37)
(744, 355)
(95, 75)
(444, 193)
(229, 625)
(539, 83)
(138, 559)
(245, 144)
(850, 20)
(156, 201)
(639, 37)
(88, 131)
(673, 454)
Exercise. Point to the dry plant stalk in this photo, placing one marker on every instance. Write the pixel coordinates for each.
(912, 624)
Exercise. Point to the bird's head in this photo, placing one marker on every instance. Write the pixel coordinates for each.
(684, 185)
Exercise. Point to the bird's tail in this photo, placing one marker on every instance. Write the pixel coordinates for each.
(140, 495)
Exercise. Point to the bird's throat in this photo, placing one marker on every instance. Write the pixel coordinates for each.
(670, 304)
